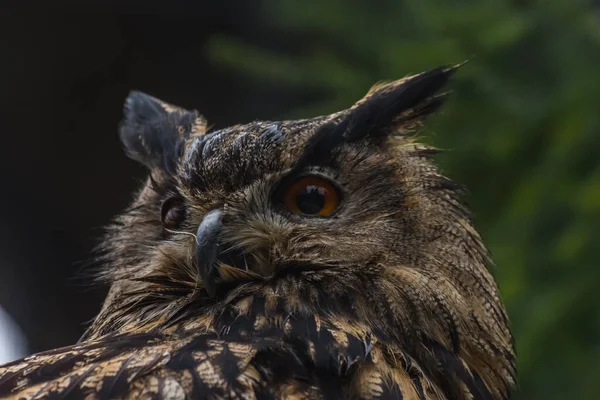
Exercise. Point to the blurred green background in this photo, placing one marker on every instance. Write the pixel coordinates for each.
(523, 127)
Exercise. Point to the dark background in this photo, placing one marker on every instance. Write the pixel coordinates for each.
(523, 126)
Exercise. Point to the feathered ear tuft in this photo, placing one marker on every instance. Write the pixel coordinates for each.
(154, 132)
(392, 106)
(386, 108)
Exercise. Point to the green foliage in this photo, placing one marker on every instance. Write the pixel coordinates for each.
(523, 125)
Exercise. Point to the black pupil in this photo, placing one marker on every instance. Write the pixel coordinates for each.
(311, 199)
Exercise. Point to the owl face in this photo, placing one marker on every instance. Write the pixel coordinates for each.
(256, 200)
(276, 213)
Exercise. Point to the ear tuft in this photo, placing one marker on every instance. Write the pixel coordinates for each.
(389, 107)
(153, 132)
(392, 106)
(140, 107)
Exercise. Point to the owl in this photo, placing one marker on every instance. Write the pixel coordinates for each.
(319, 258)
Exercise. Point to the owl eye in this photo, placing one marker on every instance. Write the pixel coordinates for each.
(312, 196)
(172, 212)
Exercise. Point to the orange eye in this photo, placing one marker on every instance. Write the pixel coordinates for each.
(311, 195)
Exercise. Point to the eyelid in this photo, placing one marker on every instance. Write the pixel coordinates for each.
(320, 171)
(173, 202)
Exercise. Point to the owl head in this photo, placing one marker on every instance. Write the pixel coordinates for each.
(350, 197)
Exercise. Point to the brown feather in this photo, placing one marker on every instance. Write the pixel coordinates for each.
(389, 297)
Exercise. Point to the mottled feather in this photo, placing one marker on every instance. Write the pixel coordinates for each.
(389, 297)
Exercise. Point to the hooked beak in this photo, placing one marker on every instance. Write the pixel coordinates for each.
(207, 248)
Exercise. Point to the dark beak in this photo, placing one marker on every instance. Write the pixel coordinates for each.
(207, 248)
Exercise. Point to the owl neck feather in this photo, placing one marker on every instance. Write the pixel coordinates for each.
(366, 307)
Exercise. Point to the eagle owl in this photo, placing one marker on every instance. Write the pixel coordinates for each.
(319, 258)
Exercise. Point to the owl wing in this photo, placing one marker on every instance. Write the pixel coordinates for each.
(291, 358)
(294, 359)
(136, 366)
